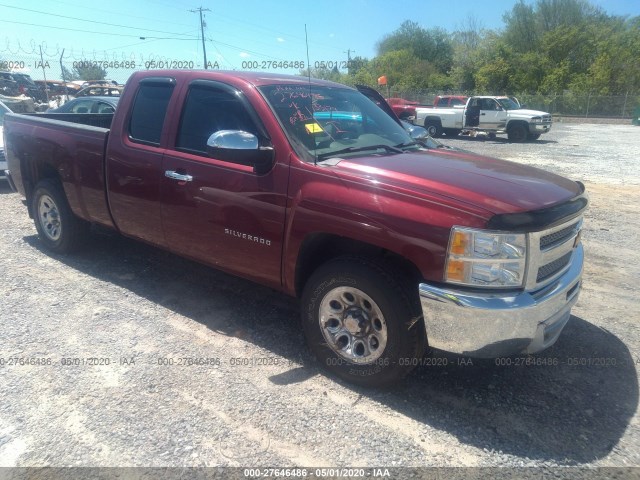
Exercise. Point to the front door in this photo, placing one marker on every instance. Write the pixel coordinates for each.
(215, 211)
(492, 115)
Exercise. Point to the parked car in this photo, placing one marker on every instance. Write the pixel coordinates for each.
(57, 87)
(25, 86)
(390, 246)
(101, 91)
(406, 109)
(3, 160)
(104, 83)
(88, 105)
(8, 85)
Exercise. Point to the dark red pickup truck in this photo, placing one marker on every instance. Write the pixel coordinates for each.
(312, 189)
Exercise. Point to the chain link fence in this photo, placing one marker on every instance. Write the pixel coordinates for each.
(567, 103)
(58, 67)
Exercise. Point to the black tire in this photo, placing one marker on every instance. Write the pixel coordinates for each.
(517, 132)
(58, 228)
(389, 320)
(434, 127)
(452, 132)
(533, 136)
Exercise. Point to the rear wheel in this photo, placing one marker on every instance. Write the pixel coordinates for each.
(517, 132)
(58, 228)
(361, 323)
(434, 128)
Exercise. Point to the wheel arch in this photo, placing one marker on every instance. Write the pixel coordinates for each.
(432, 119)
(319, 248)
(33, 172)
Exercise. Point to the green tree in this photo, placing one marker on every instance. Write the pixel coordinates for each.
(433, 45)
(88, 70)
(467, 41)
(68, 75)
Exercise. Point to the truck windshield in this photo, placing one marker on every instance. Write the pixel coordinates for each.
(323, 122)
(508, 104)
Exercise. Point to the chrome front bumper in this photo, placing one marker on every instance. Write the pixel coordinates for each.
(539, 127)
(489, 325)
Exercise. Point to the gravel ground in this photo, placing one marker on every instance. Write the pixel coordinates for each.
(132, 318)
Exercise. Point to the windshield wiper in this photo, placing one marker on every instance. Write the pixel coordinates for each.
(388, 148)
(409, 144)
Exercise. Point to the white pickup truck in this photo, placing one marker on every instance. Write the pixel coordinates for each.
(489, 114)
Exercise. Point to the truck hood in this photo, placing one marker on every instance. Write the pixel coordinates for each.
(497, 186)
(527, 113)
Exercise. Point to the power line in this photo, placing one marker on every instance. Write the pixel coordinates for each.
(90, 21)
(119, 13)
(94, 32)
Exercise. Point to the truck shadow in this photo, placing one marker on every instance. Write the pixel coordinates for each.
(4, 187)
(461, 139)
(572, 406)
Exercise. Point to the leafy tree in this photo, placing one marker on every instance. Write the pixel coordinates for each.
(69, 75)
(88, 70)
(467, 41)
(433, 45)
(521, 32)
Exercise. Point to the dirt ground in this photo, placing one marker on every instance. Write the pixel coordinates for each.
(119, 333)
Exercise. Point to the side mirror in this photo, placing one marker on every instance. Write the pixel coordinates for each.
(240, 147)
(415, 132)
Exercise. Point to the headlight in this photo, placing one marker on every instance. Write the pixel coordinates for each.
(482, 258)
(536, 120)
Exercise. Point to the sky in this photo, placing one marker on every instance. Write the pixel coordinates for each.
(241, 35)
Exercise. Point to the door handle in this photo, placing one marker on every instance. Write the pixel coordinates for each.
(178, 176)
(483, 114)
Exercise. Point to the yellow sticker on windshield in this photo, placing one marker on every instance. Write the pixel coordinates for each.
(313, 128)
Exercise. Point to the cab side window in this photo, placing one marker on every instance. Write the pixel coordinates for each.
(208, 110)
(149, 111)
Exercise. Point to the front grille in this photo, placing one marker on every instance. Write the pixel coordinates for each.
(551, 253)
(546, 119)
(558, 237)
(550, 269)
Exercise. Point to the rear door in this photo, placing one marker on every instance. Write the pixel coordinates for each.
(216, 211)
(134, 163)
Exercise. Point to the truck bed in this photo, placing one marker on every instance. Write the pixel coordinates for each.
(71, 143)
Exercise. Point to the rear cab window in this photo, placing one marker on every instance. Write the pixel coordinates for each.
(149, 110)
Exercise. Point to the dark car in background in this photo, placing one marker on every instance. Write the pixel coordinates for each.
(8, 85)
(88, 105)
(24, 85)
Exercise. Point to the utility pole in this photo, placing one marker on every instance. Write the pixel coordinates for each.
(348, 52)
(204, 48)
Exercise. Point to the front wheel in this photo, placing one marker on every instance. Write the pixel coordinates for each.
(360, 323)
(517, 132)
(533, 136)
(58, 228)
